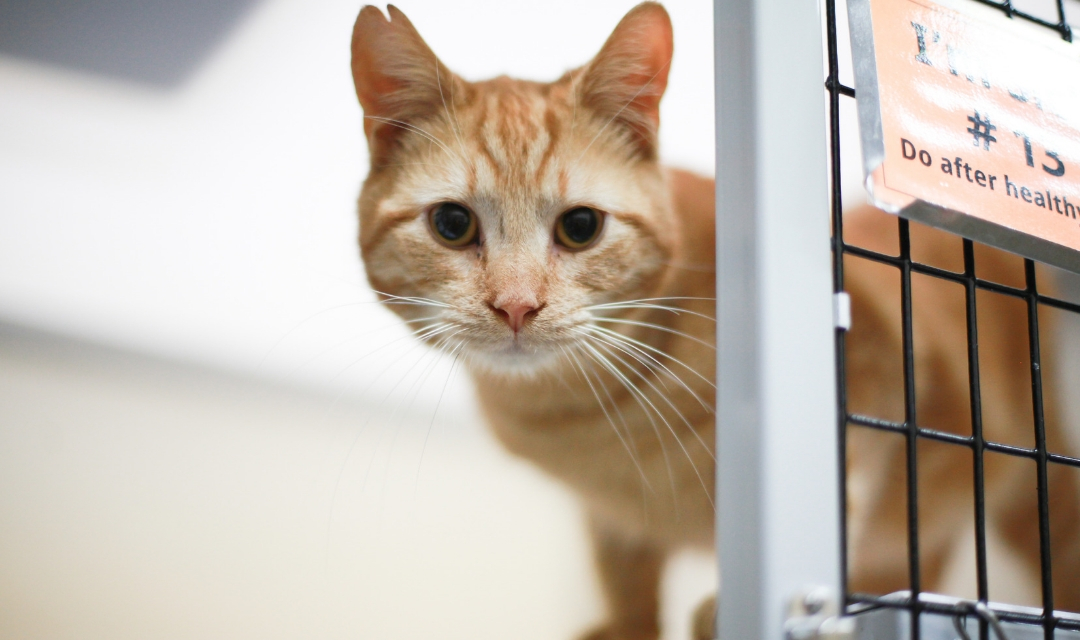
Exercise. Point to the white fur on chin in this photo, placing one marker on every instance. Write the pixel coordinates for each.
(513, 361)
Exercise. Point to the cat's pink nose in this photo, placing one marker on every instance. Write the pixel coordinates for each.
(515, 313)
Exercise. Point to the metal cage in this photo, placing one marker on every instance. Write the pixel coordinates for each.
(782, 520)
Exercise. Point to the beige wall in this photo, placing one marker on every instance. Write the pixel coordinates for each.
(142, 498)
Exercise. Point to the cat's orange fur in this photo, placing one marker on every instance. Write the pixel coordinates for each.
(617, 401)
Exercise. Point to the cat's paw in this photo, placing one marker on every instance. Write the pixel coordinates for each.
(704, 621)
(611, 632)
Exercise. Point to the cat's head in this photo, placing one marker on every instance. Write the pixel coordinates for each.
(499, 213)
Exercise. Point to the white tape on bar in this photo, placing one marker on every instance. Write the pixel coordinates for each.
(842, 310)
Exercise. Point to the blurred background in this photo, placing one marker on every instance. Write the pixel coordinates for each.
(207, 428)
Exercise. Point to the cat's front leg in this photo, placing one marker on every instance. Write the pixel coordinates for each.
(703, 624)
(629, 570)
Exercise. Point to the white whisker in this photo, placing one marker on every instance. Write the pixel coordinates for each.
(644, 345)
(667, 400)
(423, 448)
(658, 327)
(362, 429)
(650, 363)
(411, 300)
(646, 487)
(296, 326)
(418, 385)
(660, 299)
(420, 334)
(425, 134)
(647, 305)
(382, 402)
(452, 120)
(638, 397)
(627, 343)
(337, 345)
(622, 439)
(611, 367)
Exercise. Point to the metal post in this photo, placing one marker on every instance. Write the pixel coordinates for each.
(778, 521)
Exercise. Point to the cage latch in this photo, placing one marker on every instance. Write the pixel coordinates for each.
(813, 615)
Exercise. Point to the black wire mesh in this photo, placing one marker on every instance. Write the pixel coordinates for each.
(909, 428)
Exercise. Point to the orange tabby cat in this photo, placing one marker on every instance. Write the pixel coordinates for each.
(574, 276)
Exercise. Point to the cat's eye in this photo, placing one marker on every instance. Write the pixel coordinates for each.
(578, 227)
(454, 225)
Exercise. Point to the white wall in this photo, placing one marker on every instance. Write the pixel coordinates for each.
(208, 221)
(214, 223)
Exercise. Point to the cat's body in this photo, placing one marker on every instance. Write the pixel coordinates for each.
(533, 229)
(625, 471)
(642, 461)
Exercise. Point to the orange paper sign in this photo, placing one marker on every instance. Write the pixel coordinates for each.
(977, 125)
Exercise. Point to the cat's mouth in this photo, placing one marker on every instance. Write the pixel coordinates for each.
(521, 354)
(520, 346)
(514, 361)
(496, 347)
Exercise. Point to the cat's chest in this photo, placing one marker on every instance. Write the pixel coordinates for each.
(628, 465)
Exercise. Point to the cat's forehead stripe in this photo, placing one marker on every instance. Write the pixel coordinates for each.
(517, 134)
(551, 125)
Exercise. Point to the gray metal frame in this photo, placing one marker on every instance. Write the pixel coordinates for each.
(778, 520)
(895, 624)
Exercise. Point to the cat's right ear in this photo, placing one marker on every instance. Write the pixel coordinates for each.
(398, 78)
(626, 80)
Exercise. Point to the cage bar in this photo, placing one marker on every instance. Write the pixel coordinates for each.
(782, 397)
(778, 520)
(914, 614)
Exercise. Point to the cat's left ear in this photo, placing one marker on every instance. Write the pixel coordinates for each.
(399, 81)
(626, 80)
